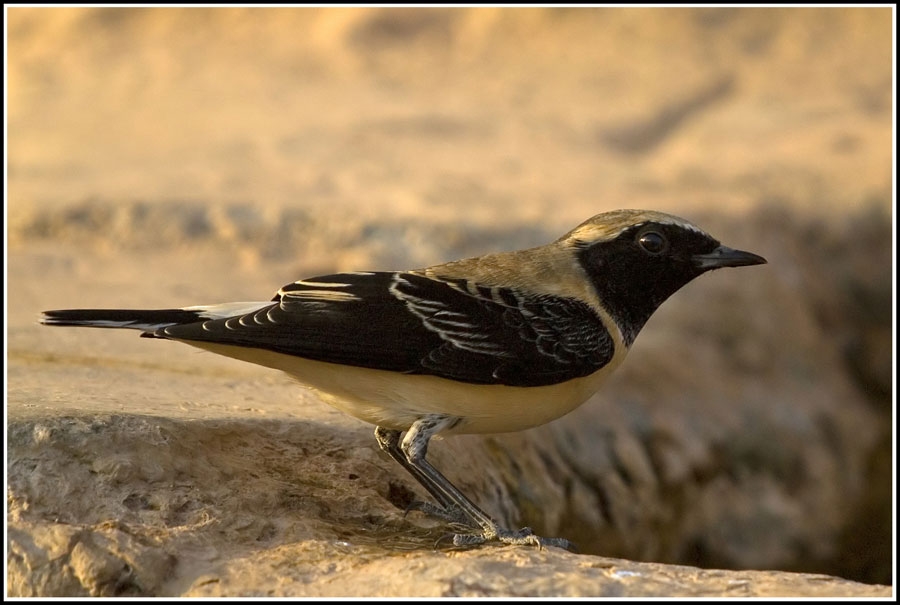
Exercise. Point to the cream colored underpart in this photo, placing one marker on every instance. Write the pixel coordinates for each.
(395, 400)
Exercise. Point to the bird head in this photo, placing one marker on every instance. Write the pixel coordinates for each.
(636, 259)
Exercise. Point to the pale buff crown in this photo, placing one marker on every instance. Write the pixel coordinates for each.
(608, 225)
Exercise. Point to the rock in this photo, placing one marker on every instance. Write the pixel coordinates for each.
(375, 568)
(152, 506)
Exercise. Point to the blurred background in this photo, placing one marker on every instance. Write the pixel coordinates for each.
(469, 120)
(153, 150)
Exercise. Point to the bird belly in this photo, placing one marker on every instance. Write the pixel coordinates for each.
(396, 400)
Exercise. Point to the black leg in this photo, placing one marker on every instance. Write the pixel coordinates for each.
(389, 441)
(411, 452)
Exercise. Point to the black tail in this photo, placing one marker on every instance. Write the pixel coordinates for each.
(148, 321)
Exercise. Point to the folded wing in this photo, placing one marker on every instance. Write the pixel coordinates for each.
(407, 322)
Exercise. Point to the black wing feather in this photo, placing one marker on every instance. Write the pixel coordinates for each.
(406, 322)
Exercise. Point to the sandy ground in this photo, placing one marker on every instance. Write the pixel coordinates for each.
(169, 157)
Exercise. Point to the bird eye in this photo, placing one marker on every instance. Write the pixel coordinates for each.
(652, 242)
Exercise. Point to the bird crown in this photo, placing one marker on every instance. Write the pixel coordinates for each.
(608, 225)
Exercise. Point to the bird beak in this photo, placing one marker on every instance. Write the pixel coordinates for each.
(724, 256)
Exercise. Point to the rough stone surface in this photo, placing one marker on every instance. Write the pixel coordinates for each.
(145, 506)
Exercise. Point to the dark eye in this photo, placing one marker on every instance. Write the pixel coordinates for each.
(652, 242)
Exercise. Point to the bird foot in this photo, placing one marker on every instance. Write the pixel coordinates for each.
(450, 514)
(523, 536)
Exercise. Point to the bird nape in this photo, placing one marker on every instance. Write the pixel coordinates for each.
(495, 343)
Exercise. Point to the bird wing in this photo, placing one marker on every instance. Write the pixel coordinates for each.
(411, 323)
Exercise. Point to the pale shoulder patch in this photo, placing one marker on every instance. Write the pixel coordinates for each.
(308, 289)
(226, 310)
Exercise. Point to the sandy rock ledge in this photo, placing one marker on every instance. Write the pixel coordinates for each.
(92, 513)
(63, 560)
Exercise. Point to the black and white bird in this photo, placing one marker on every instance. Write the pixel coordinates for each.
(496, 343)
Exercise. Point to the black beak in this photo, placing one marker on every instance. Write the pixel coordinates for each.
(724, 256)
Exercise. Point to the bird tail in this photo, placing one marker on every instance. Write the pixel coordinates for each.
(149, 321)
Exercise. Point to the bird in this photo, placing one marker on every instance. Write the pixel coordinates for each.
(496, 343)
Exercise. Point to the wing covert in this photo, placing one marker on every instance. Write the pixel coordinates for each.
(407, 322)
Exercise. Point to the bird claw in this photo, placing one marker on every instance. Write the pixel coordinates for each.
(521, 537)
(450, 514)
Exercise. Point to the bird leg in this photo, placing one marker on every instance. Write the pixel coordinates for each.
(411, 452)
(451, 514)
(389, 441)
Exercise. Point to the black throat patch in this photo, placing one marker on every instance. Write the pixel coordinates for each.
(632, 282)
